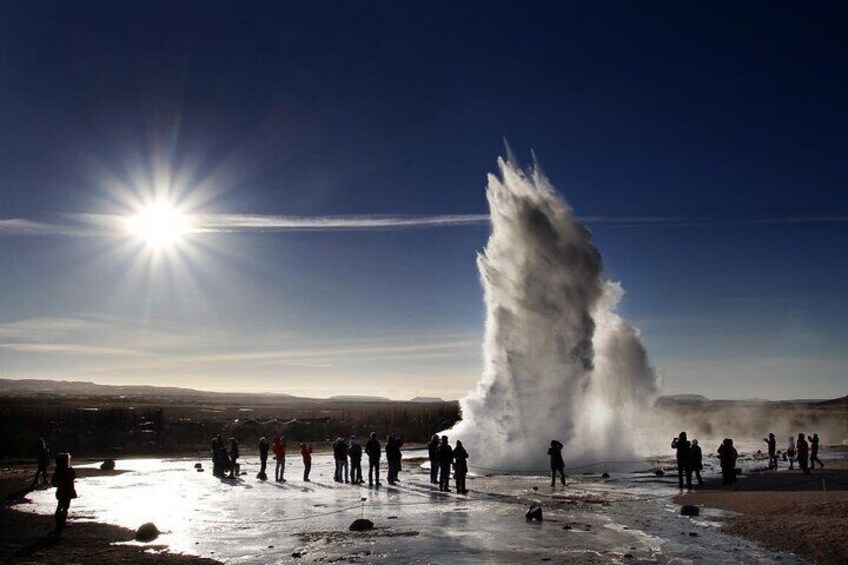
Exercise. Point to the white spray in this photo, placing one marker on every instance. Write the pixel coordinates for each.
(558, 362)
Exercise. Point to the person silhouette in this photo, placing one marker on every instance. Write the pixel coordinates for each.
(63, 479)
(373, 450)
(814, 452)
(460, 467)
(445, 460)
(557, 462)
(682, 446)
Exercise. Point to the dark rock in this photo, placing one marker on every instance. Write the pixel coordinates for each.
(738, 471)
(605, 476)
(147, 532)
(690, 510)
(566, 527)
(108, 465)
(628, 556)
(361, 525)
(534, 513)
(198, 465)
(659, 473)
(297, 554)
(200, 470)
(693, 534)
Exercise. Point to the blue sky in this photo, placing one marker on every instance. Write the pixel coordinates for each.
(723, 124)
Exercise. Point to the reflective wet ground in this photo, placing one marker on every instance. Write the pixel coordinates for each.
(625, 519)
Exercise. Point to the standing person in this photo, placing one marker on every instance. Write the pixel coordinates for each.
(43, 463)
(63, 480)
(460, 467)
(306, 453)
(279, 449)
(772, 451)
(803, 450)
(790, 452)
(682, 445)
(235, 468)
(727, 456)
(221, 457)
(372, 449)
(263, 458)
(814, 452)
(557, 462)
(340, 455)
(393, 457)
(216, 459)
(433, 452)
(696, 461)
(355, 452)
(445, 460)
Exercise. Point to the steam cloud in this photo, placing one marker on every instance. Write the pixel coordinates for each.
(559, 363)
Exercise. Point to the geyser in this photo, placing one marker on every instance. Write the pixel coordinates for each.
(558, 362)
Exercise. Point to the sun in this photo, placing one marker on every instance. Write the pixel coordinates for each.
(160, 226)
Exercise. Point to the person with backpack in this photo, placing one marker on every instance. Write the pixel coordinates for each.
(373, 450)
(355, 452)
(279, 449)
(460, 467)
(557, 462)
(63, 479)
(263, 458)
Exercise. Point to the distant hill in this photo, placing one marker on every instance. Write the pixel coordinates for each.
(426, 399)
(683, 398)
(356, 398)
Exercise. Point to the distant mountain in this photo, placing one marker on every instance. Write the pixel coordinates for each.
(684, 398)
(44, 387)
(425, 399)
(356, 398)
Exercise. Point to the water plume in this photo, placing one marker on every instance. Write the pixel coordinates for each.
(558, 362)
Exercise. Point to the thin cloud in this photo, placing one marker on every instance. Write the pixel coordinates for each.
(93, 225)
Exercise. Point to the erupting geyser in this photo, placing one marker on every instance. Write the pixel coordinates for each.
(558, 362)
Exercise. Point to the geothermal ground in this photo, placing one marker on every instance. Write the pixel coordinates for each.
(627, 518)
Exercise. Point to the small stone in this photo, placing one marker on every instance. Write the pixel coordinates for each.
(534, 514)
(198, 465)
(297, 554)
(659, 473)
(147, 532)
(690, 510)
(693, 534)
(108, 465)
(270, 547)
(361, 525)
(605, 476)
(628, 556)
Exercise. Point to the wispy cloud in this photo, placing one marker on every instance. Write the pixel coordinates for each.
(93, 225)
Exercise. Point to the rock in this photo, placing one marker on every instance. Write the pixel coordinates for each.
(108, 465)
(147, 532)
(690, 510)
(605, 476)
(200, 470)
(566, 527)
(198, 465)
(534, 514)
(297, 554)
(693, 534)
(361, 525)
(738, 471)
(659, 473)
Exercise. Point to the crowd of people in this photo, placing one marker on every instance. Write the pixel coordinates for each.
(690, 457)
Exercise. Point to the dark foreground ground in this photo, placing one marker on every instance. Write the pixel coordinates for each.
(27, 538)
(787, 511)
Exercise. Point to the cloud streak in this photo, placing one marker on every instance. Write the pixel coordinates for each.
(109, 225)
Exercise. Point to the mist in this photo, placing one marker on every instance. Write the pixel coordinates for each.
(558, 361)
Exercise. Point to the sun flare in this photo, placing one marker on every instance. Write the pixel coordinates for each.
(159, 226)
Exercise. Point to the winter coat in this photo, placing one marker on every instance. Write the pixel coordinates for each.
(63, 480)
(279, 449)
(727, 455)
(682, 446)
(445, 455)
(460, 458)
(355, 453)
(306, 453)
(433, 450)
(263, 451)
(555, 451)
(696, 458)
(372, 448)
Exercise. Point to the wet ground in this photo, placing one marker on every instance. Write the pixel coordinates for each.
(628, 518)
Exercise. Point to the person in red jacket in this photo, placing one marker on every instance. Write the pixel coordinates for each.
(279, 448)
(306, 453)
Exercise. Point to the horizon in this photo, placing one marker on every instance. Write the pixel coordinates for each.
(290, 197)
